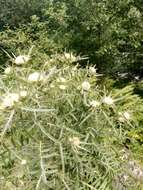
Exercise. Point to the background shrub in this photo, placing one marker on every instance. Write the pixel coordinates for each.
(109, 32)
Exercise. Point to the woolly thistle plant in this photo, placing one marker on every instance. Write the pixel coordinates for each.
(60, 130)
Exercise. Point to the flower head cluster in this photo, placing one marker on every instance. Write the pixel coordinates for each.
(10, 100)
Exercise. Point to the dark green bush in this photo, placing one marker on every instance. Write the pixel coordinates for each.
(15, 12)
(109, 32)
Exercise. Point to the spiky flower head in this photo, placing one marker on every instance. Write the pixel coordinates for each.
(108, 100)
(36, 76)
(21, 59)
(85, 86)
(9, 100)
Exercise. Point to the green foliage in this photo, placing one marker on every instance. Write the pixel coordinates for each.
(15, 12)
(109, 32)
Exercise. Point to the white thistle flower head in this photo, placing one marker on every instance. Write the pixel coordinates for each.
(125, 177)
(92, 70)
(23, 162)
(23, 93)
(108, 100)
(74, 141)
(21, 59)
(35, 77)
(70, 57)
(94, 103)
(10, 100)
(62, 87)
(85, 86)
(74, 68)
(8, 70)
(125, 116)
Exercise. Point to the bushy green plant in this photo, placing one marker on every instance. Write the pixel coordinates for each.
(60, 130)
